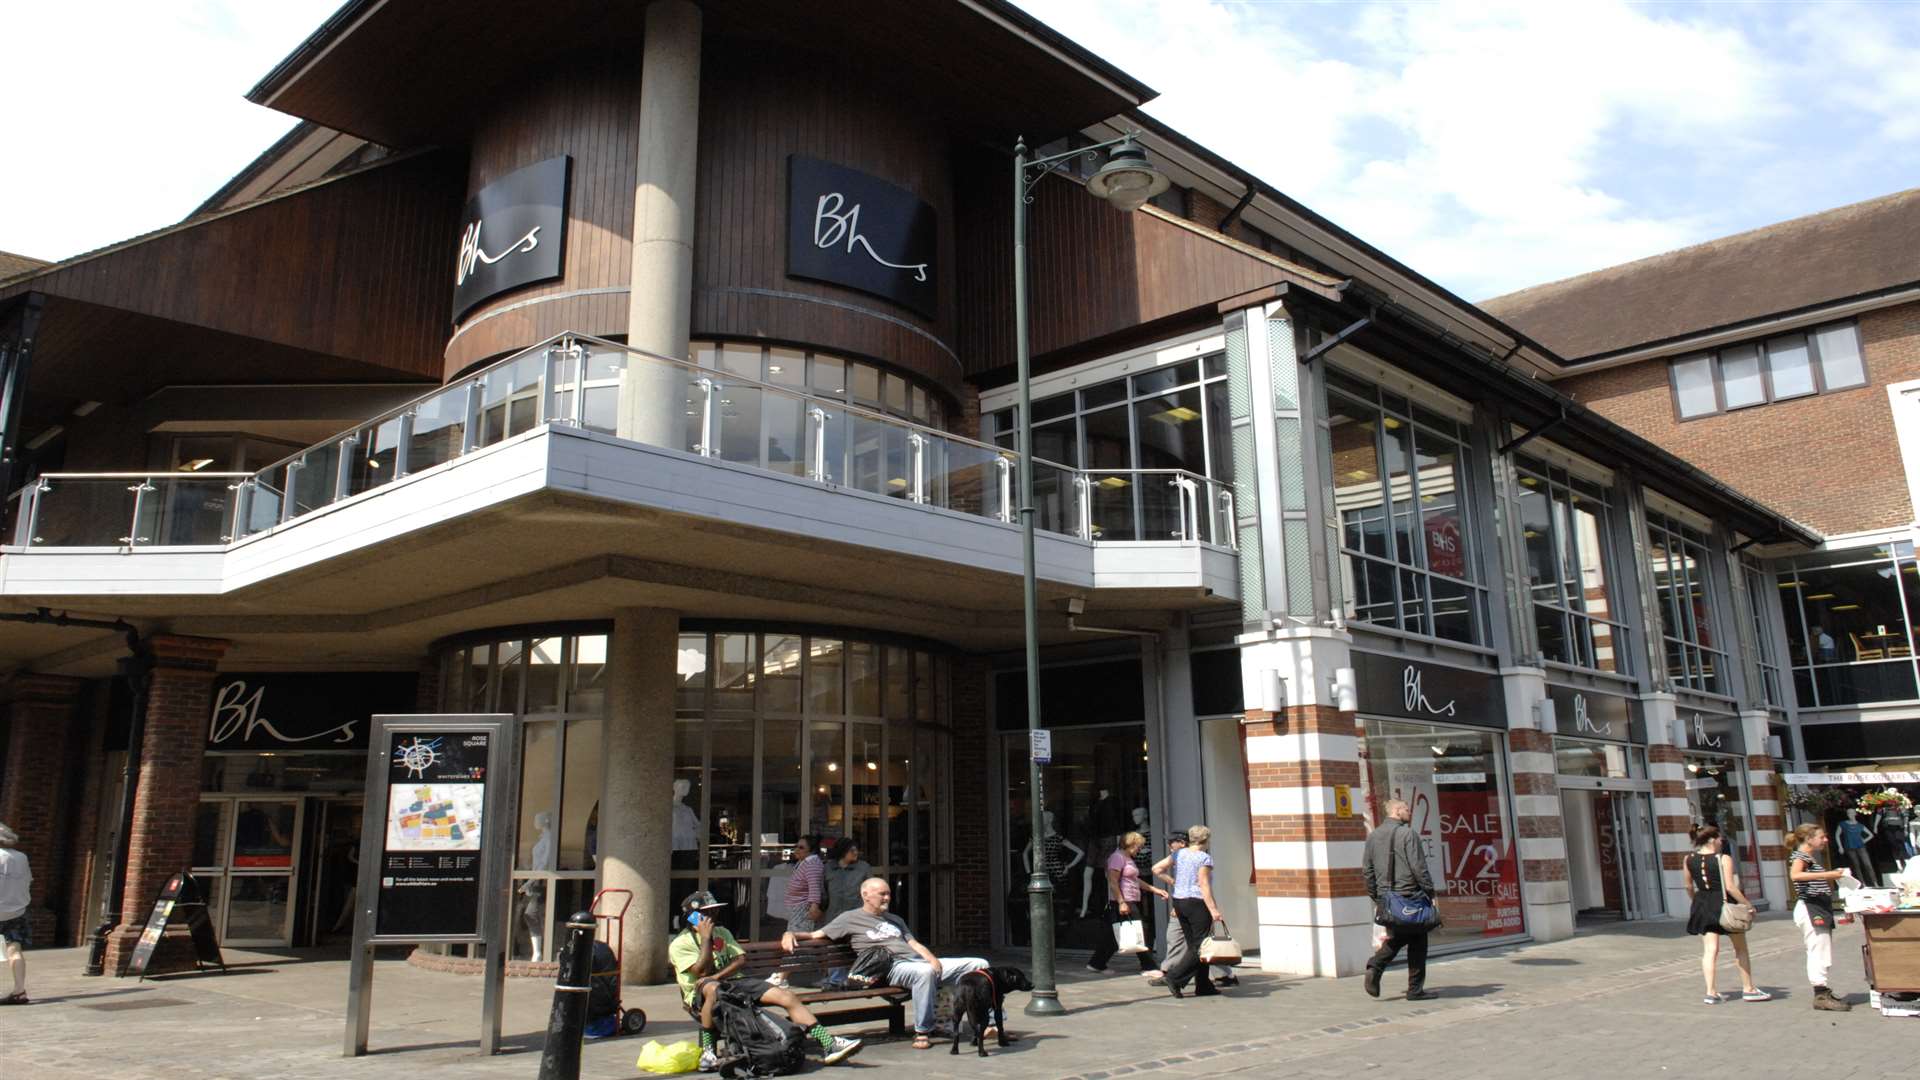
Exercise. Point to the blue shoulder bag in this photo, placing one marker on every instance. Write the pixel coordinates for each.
(1404, 912)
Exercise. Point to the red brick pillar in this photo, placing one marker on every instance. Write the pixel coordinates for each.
(39, 751)
(973, 897)
(179, 702)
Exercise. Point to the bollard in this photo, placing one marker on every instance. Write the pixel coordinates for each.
(568, 1024)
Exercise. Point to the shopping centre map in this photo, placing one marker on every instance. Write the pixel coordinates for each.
(434, 817)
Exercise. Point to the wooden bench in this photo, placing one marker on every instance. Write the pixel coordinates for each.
(887, 1003)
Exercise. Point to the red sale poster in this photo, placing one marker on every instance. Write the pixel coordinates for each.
(1482, 890)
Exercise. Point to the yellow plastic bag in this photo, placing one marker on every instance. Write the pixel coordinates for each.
(679, 1057)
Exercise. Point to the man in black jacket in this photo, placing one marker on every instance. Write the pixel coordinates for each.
(1395, 864)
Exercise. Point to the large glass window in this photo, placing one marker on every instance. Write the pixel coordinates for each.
(1717, 795)
(1568, 540)
(1454, 781)
(1849, 618)
(782, 442)
(1678, 554)
(1766, 653)
(1406, 536)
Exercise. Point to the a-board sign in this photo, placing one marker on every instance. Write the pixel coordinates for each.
(181, 900)
(436, 816)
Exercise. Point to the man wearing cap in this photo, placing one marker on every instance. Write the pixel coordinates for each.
(705, 955)
(15, 935)
(911, 965)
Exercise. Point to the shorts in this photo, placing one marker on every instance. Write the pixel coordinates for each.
(17, 931)
(743, 989)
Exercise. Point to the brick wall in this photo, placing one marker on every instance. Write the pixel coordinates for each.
(37, 793)
(1832, 460)
(179, 700)
(972, 888)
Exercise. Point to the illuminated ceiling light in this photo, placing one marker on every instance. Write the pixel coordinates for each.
(196, 464)
(1113, 481)
(1820, 596)
(1390, 423)
(1789, 584)
(1529, 481)
(1531, 534)
(872, 767)
(773, 369)
(1178, 414)
(1846, 607)
(833, 766)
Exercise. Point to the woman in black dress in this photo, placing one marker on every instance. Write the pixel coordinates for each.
(1711, 882)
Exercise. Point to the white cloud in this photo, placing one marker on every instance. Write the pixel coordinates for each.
(1510, 123)
(127, 115)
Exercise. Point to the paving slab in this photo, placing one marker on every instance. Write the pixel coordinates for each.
(1613, 1003)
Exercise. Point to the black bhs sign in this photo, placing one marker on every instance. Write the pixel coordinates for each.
(514, 234)
(848, 228)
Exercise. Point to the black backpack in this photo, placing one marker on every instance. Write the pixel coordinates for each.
(759, 1043)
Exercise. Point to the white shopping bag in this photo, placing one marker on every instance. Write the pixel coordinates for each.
(1130, 936)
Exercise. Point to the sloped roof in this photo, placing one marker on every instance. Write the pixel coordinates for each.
(1848, 252)
(12, 265)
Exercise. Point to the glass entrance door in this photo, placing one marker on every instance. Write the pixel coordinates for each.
(1613, 860)
(260, 872)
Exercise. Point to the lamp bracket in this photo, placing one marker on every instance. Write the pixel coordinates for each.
(1038, 168)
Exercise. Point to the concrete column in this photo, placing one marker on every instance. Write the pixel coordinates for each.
(1538, 815)
(179, 702)
(1769, 822)
(660, 300)
(40, 743)
(1672, 814)
(1315, 918)
(636, 804)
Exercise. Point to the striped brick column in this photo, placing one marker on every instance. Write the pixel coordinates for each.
(1540, 830)
(1765, 790)
(1315, 918)
(1672, 815)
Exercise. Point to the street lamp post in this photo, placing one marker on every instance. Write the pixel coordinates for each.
(1126, 181)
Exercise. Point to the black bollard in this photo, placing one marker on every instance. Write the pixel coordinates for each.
(568, 1024)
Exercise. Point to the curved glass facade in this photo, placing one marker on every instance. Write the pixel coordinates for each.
(827, 376)
(777, 735)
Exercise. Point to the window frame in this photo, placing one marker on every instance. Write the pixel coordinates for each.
(1899, 555)
(1665, 532)
(1816, 367)
(1561, 484)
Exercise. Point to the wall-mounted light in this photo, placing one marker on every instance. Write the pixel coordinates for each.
(1546, 716)
(1346, 691)
(1271, 691)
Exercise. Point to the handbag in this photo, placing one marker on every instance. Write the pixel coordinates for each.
(1736, 918)
(1399, 911)
(1129, 936)
(1219, 946)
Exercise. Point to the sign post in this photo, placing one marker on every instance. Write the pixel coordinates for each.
(438, 837)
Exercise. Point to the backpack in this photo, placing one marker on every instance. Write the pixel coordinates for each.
(759, 1043)
(603, 997)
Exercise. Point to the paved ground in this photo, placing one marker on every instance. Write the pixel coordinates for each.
(1617, 1003)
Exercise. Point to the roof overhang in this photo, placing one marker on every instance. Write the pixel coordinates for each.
(403, 73)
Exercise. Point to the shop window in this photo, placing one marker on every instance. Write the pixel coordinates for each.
(1599, 760)
(1568, 542)
(1406, 535)
(1850, 625)
(1717, 795)
(1678, 554)
(1453, 780)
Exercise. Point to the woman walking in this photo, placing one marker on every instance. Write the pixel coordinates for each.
(845, 871)
(1813, 909)
(1711, 883)
(1193, 902)
(1123, 902)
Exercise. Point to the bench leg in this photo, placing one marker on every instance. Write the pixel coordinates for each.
(897, 1020)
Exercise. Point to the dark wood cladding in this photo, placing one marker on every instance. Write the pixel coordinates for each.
(359, 267)
(752, 117)
(1092, 271)
(588, 108)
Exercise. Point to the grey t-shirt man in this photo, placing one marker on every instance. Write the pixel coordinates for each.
(867, 932)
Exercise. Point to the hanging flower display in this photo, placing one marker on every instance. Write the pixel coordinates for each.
(1890, 799)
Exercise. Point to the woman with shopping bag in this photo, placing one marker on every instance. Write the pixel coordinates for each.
(1128, 918)
(1193, 902)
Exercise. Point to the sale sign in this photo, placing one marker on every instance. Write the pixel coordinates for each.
(1481, 894)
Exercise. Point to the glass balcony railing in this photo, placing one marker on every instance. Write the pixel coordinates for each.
(607, 388)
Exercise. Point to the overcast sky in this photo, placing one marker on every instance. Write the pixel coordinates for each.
(1490, 146)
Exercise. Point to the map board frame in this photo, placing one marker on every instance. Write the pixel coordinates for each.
(498, 771)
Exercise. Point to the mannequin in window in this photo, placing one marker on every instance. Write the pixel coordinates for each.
(686, 827)
(1108, 823)
(533, 891)
(1853, 838)
(1056, 848)
(1889, 828)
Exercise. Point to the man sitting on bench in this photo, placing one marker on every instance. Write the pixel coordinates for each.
(705, 955)
(912, 966)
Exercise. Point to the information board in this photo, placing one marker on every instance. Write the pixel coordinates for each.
(182, 900)
(435, 817)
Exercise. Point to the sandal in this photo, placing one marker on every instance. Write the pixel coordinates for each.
(923, 1042)
(16, 999)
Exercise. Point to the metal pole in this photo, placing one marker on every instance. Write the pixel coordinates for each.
(568, 1023)
(1045, 999)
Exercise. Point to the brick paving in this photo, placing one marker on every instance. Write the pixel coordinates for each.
(1617, 1003)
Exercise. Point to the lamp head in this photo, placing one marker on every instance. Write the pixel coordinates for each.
(1128, 179)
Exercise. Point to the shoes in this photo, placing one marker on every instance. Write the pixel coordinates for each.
(709, 1061)
(1372, 983)
(1156, 973)
(1825, 1001)
(1226, 980)
(1177, 992)
(1101, 970)
(1710, 999)
(840, 1050)
(1421, 995)
(1755, 995)
(1157, 980)
(1206, 991)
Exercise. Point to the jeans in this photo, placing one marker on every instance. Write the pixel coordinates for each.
(1819, 942)
(1195, 921)
(917, 976)
(1139, 909)
(1415, 942)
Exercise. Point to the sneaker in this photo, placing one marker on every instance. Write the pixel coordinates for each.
(841, 1050)
(1755, 995)
(709, 1061)
(1710, 999)
(1156, 973)
(1101, 970)
(1421, 995)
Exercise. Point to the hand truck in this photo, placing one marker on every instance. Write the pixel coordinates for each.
(613, 926)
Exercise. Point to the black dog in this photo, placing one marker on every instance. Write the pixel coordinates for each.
(980, 996)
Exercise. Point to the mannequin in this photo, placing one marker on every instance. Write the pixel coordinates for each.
(1852, 838)
(534, 890)
(1108, 822)
(1055, 846)
(686, 828)
(1889, 828)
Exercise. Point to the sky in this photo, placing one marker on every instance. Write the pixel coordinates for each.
(1489, 146)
